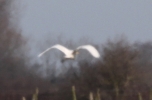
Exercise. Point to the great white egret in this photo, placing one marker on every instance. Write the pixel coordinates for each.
(70, 54)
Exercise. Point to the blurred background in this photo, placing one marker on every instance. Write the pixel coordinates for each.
(119, 30)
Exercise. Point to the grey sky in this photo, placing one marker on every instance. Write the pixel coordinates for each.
(96, 19)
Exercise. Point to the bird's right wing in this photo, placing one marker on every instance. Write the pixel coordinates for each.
(91, 49)
(59, 47)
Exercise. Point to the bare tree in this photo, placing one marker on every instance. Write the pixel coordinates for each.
(119, 58)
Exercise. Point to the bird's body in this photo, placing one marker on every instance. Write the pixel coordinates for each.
(67, 52)
(70, 54)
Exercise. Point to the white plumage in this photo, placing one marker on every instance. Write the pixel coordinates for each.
(91, 50)
(70, 54)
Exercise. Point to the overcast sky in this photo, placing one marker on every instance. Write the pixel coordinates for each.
(96, 19)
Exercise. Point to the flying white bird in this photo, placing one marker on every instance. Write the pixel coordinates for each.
(70, 54)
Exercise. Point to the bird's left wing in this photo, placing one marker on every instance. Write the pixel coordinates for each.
(44, 52)
(59, 47)
(91, 49)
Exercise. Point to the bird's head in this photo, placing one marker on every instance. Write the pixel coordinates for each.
(75, 52)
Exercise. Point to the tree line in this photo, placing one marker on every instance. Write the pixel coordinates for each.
(123, 71)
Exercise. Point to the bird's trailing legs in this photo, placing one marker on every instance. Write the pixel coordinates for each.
(65, 59)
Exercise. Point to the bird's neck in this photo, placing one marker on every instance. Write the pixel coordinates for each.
(74, 52)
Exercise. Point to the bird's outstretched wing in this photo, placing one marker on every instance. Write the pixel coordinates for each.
(91, 49)
(59, 47)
